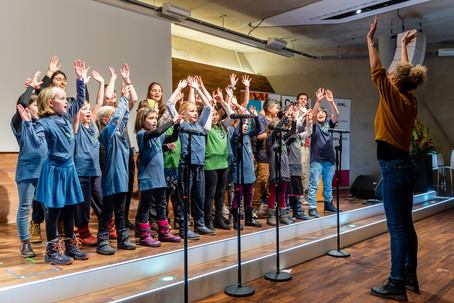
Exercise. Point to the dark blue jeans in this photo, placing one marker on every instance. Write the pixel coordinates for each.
(399, 178)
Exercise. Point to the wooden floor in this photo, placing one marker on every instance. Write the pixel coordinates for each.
(328, 279)
(10, 258)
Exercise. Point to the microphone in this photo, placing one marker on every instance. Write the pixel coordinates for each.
(281, 129)
(240, 116)
(191, 131)
(341, 131)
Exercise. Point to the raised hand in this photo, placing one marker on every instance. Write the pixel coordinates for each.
(229, 92)
(246, 80)
(192, 82)
(79, 68)
(233, 79)
(320, 94)
(199, 81)
(182, 84)
(113, 74)
(35, 81)
(124, 72)
(180, 97)
(85, 73)
(253, 111)
(408, 38)
(97, 77)
(373, 28)
(28, 81)
(329, 96)
(53, 66)
(125, 90)
(24, 113)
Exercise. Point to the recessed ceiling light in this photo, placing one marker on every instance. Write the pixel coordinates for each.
(358, 11)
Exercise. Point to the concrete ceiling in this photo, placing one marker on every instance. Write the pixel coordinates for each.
(436, 18)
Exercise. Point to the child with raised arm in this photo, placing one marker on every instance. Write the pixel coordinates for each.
(29, 164)
(58, 186)
(274, 140)
(151, 179)
(86, 159)
(261, 186)
(295, 186)
(245, 191)
(114, 185)
(322, 153)
(197, 173)
(110, 98)
(216, 165)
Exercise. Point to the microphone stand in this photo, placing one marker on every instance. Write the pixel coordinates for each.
(186, 197)
(239, 290)
(278, 276)
(338, 252)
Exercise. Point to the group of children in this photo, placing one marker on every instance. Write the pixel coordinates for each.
(184, 146)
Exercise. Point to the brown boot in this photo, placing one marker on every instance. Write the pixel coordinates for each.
(35, 232)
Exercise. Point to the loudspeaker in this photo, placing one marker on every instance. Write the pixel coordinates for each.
(367, 187)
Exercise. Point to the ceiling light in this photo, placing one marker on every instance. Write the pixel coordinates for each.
(358, 11)
(276, 43)
(177, 12)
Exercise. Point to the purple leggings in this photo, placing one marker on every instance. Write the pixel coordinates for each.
(246, 191)
(272, 198)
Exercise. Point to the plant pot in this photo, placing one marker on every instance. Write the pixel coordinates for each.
(424, 182)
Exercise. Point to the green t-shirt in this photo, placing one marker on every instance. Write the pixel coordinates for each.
(216, 152)
(172, 157)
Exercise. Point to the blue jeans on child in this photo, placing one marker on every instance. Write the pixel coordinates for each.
(26, 190)
(326, 170)
(399, 177)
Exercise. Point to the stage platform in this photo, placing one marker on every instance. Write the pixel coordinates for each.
(157, 273)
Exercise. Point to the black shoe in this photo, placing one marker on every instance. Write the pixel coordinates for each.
(394, 289)
(313, 213)
(411, 281)
(250, 221)
(129, 225)
(220, 222)
(301, 216)
(203, 230)
(235, 226)
(329, 207)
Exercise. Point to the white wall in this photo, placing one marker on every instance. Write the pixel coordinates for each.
(102, 35)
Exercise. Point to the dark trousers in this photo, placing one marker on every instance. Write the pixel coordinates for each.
(91, 189)
(112, 203)
(37, 212)
(215, 183)
(67, 214)
(156, 196)
(131, 174)
(196, 184)
(398, 180)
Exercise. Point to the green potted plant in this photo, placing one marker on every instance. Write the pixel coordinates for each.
(422, 149)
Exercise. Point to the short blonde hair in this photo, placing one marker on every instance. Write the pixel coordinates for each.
(104, 112)
(44, 109)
